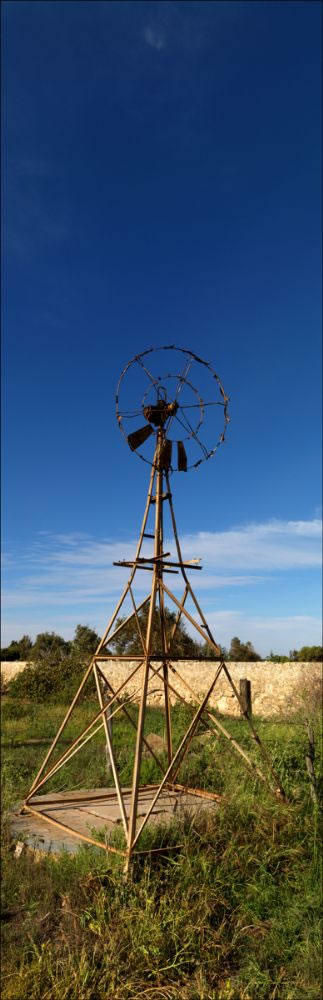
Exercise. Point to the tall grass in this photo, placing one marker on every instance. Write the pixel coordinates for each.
(234, 915)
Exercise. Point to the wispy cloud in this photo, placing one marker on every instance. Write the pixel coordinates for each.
(273, 545)
(154, 38)
(278, 633)
(75, 571)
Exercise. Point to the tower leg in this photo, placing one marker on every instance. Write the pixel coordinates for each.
(149, 636)
(107, 729)
(165, 647)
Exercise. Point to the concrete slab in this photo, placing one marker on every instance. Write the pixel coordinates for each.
(95, 809)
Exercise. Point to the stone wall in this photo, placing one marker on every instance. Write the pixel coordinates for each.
(277, 688)
(9, 669)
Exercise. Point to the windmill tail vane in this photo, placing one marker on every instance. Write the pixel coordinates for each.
(133, 807)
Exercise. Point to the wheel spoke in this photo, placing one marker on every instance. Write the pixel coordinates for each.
(131, 413)
(183, 376)
(179, 387)
(152, 379)
(192, 434)
(192, 406)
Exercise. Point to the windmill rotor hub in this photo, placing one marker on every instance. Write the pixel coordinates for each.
(158, 414)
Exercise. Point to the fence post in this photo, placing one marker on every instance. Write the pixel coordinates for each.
(245, 696)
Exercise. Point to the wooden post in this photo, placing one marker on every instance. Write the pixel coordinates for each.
(245, 697)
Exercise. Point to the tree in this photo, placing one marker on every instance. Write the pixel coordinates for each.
(11, 652)
(57, 667)
(18, 649)
(50, 647)
(276, 658)
(128, 641)
(250, 652)
(85, 641)
(236, 649)
(308, 653)
(209, 654)
(242, 651)
(26, 646)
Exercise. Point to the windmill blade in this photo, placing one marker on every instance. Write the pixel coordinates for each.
(166, 455)
(181, 457)
(138, 437)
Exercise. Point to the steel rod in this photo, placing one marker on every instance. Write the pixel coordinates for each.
(257, 739)
(128, 716)
(102, 640)
(159, 850)
(179, 751)
(182, 564)
(219, 725)
(124, 623)
(177, 620)
(91, 796)
(165, 681)
(111, 755)
(73, 749)
(138, 623)
(75, 833)
(94, 720)
(180, 558)
(210, 640)
(69, 754)
(164, 641)
(200, 792)
(248, 763)
(148, 569)
(138, 550)
(62, 727)
(158, 657)
(190, 619)
(148, 643)
(192, 735)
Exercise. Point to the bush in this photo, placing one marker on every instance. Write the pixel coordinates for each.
(51, 681)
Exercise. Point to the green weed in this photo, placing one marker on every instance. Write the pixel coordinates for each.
(232, 915)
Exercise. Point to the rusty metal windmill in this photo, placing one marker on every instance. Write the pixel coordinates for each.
(172, 436)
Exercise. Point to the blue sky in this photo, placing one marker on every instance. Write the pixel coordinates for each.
(161, 184)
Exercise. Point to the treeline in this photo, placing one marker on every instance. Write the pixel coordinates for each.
(49, 645)
(303, 655)
(51, 648)
(55, 666)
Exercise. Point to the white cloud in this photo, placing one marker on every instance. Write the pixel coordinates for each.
(76, 571)
(276, 633)
(154, 38)
(273, 545)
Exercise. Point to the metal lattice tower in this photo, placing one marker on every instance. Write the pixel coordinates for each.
(173, 411)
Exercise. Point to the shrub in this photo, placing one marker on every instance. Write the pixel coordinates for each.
(52, 681)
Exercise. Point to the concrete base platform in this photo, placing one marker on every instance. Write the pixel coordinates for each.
(62, 820)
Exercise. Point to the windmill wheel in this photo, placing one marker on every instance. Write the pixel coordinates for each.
(171, 390)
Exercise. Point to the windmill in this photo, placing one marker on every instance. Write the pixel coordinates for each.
(173, 425)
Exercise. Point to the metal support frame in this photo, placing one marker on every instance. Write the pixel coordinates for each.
(159, 492)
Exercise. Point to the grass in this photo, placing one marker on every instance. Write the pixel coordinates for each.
(234, 915)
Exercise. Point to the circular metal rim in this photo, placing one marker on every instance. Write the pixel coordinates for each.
(173, 347)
